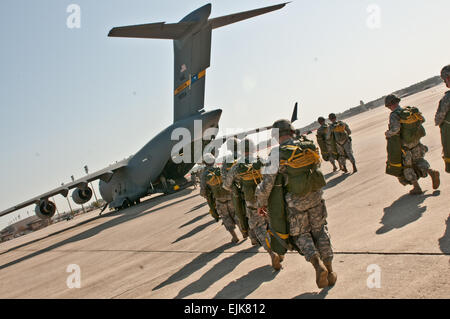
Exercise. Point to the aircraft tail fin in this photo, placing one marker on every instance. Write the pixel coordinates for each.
(192, 51)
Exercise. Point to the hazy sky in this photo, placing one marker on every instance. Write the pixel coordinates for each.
(71, 97)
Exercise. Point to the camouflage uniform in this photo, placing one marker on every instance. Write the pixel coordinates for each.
(257, 223)
(442, 120)
(444, 108)
(343, 143)
(224, 205)
(322, 133)
(413, 158)
(306, 216)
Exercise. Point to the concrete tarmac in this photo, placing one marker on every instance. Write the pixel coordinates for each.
(388, 244)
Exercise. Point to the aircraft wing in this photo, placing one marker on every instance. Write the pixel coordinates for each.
(218, 141)
(103, 174)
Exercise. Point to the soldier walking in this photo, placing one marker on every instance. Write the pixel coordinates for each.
(211, 181)
(340, 132)
(305, 212)
(327, 145)
(442, 118)
(406, 126)
(248, 172)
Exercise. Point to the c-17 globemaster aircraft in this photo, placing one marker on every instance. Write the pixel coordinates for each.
(125, 182)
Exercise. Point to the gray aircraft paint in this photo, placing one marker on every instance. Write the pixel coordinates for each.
(131, 179)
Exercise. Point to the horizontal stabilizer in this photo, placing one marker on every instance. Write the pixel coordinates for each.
(159, 30)
(232, 18)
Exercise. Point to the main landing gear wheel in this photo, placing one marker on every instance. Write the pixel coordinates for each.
(126, 204)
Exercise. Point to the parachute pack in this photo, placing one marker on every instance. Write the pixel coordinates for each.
(301, 160)
(411, 121)
(250, 176)
(339, 132)
(214, 181)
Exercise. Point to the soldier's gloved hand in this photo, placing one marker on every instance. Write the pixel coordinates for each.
(262, 211)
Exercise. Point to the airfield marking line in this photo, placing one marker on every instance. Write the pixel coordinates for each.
(235, 252)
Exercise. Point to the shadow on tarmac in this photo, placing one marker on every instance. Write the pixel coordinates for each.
(195, 231)
(314, 295)
(444, 241)
(123, 216)
(403, 211)
(195, 265)
(196, 207)
(337, 180)
(244, 286)
(219, 270)
(194, 220)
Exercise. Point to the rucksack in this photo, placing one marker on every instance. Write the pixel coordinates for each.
(301, 160)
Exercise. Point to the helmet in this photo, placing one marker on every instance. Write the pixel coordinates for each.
(284, 126)
(332, 116)
(391, 100)
(445, 73)
(209, 159)
(321, 119)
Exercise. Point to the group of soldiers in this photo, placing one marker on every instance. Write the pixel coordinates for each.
(406, 153)
(335, 143)
(283, 209)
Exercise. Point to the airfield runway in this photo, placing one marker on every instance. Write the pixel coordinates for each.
(169, 247)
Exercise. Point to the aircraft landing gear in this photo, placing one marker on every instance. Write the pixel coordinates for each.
(126, 204)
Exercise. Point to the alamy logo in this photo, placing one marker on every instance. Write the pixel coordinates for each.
(74, 19)
(374, 279)
(74, 279)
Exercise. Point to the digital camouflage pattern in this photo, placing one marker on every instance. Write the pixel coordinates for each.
(415, 165)
(227, 214)
(443, 109)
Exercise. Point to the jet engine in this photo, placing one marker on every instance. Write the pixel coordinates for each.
(82, 195)
(45, 209)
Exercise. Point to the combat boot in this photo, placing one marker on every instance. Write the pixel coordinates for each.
(334, 167)
(416, 190)
(344, 169)
(332, 276)
(435, 177)
(234, 238)
(276, 261)
(321, 271)
(244, 234)
(354, 168)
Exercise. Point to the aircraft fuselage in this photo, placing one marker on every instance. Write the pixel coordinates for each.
(133, 181)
